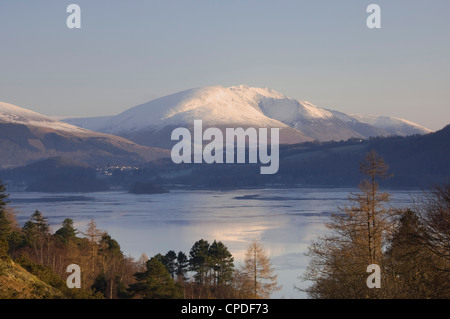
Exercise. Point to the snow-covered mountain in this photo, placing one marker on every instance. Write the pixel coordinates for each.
(10, 113)
(393, 125)
(27, 136)
(242, 106)
(152, 123)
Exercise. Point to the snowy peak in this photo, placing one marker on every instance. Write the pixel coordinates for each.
(215, 105)
(151, 123)
(243, 106)
(10, 113)
(13, 114)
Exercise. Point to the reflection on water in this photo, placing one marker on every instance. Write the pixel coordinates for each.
(286, 221)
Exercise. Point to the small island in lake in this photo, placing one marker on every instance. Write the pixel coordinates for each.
(147, 188)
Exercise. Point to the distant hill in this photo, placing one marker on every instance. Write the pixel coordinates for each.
(57, 174)
(26, 136)
(415, 161)
(50, 166)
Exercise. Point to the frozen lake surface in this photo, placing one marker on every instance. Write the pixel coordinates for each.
(285, 221)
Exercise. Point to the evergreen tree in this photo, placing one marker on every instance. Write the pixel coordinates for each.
(408, 264)
(67, 232)
(221, 262)
(37, 234)
(109, 245)
(155, 282)
(39, 222)
(199, 260)
(100, 284)
(182, 266)
(3, 196)
(162, 259)
(171, 264)
(111, 258)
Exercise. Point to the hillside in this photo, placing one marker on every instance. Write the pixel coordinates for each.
(56, 174)
(17, 283)
(27, 136)
(415, 161)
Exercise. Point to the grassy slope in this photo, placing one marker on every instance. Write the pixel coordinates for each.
(17, 283)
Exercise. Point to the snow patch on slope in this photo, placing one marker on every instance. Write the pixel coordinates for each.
(214, 105)
(389, 122)
(290, 111)
(10, 113)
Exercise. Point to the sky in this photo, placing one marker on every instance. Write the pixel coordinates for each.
(129, 52)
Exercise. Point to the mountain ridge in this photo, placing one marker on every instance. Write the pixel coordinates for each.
(243, 106)
(27, 136)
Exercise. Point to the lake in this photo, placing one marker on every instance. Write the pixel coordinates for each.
(285, 221)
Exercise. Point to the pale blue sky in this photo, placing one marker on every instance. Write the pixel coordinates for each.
(129, 52)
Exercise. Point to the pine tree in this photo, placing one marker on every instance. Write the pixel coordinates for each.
(198, 260)
(3, 196)
(221, 263)
(67, 232)
(171, 265)
(37, 234)
(100, 284)
(155, 282)
(182, 266)
(259, 279)
(407, 262)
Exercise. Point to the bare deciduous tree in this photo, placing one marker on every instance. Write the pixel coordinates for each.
(434, 214)
(359, 233)
(257, 277)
